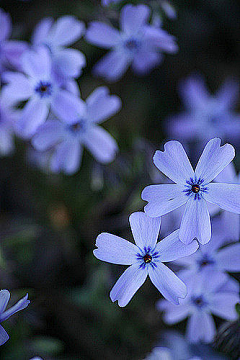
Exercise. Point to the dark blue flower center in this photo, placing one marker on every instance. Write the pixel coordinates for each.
(199, 301)
(195, 187)
(147, 256)
(79, 127)
(44, 89)
(132, 44)
(205, 261)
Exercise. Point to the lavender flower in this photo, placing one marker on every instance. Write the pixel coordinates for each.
(39, 87)
(5, 314)
(145, 258)
(193, 188)
(206, 115)
(79, 127)
(10, 50)
(137, 43)
(56, 36)
(204, 297)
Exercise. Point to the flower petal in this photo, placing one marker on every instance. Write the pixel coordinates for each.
(37, 63)
(227, 196)
(20, 305)
(101, 105)
(67, 107)
(223, 305)
(67, 157)
(195, 222)
(48, 135)
(66, 30)
(102, 35)
(69, 63)
(200, 327)
(173, 313)
(115, 250)
(41, 31)
(145, 229)
(214, 159)
(145, 61)
(132, 18)
(173, 162)
(33, 115)
(6, 25)
(101, 144)
(194, 93)
(127, 285)
(18, 88)
(163, 198)
(13, 51)
(4, 299)
(228, 94)
(112, 66)
(171, 248)
(169, 285)
(229, 258)
(3, 336)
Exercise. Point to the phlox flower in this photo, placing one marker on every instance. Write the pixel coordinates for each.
(56, 36)
(206, 115)
(5, 314)
(193, 188)
(79, 127)
(145, 258)
(137, 43)
(231, 222)
(10, 50)
(39, 88)
(205, 297)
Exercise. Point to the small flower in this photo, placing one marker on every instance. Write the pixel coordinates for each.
(137, 43)
(145, 258)
(193, 188)
(79, 127)
(39, 88)
(56, 36)
(206, 115)
(5, 314)
(10, 50)
(205, 297)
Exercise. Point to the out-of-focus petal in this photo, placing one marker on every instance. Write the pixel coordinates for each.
(223, 305)
(228, 94)
(145, 61)
(6, 25)
(69, 63)
(102, 35)
(41, 31)
(68, 107)
(194, 93)
(3, 336)
(48, 135)
(112, 66)
(132, 18)
(67, 157)
(18, 87)
(229, 258)
(13, 51)
(227, 196)
(200, 327)
(173, 313)
(37, 63)
(66, 30)
(145, 229)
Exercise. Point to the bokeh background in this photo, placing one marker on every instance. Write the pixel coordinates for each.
(49, 223)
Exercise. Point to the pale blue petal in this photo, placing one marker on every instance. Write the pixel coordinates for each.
(69, 63)
(145, 229)
(223, 305)
(173, 313)
(4, 299)
(6, 25)
(18, 87)
(163, 198)
(3, 336)
(229, 258)
(33, 115)
(194, 93)
(195, 222)
(37, 63)
(20, 305)
(171, 248)
(101, 105)
(201, 327)
(159, 39)
(182, 126)
(13, 51)
(214, 159)
(173, 162)
(48, 135)
(101, 144)
(231, 223)
(67, 157)
(127, 285)
(41, 31)
(102, 35)
(169, 285)
(66, 30)
(228, 175)
(115, 250)
(145, 61)
(67, 107)
(228, 94)
(226, 196)
(132, 18)
(112, 66)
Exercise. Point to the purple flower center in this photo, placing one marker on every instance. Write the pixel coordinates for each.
(198, 301)
(132, 44)
(205, 261)
(44, 89)
(148, 256)
(195, 187)
(79, 127)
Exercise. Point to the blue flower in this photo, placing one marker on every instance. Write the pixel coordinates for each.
(10, 50)
(5, 314)
(206, 296)
(137, 43)
(206, 115)
(38, 86)
(79, 127)
(145, 258)
(56, 36)
(193, 188)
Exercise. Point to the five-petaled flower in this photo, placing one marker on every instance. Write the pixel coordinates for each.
(145, 258)
(138, 43)
(193, 188)
(5, 314)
